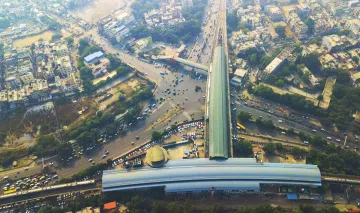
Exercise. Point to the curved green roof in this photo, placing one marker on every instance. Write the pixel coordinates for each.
(218, 107)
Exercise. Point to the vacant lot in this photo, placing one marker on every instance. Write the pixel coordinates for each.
(32, 39)
(20, 128)
(125, 89)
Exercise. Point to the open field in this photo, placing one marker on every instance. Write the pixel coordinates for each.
(20, 129)
(288, 32)
(32, 39)
(126, 88)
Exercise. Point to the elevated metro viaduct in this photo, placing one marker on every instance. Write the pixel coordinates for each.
(219, 130)
(218, 173)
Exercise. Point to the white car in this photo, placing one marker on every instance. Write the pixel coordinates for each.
(280, 121)
(329, 138)
(338, 140)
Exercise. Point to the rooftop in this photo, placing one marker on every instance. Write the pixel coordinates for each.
(203, 174)
(93, 56)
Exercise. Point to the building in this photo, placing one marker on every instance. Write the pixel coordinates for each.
(274, 13)
(239, 75)
(353, 25)
(167, 15)
(312, 79)
(93, 58)
(328, 61)
(335, 43)
(356, 77)
(353, 3)
(297, 26)
(275, 64)
(233, 175)
(13, 82)
(100, 67)
(27, 78)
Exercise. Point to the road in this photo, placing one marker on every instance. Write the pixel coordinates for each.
(184, 90)
(259, 109)
(203, 48)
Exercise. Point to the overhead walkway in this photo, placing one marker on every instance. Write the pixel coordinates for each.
(218, 108)
(191, 64)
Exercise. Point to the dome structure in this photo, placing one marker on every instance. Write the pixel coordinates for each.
(156, 156)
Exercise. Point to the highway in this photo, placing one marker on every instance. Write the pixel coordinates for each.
(275, 116)
(202, 51)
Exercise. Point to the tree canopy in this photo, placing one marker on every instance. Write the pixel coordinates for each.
(4, 23)
(242, 149)
(280, 30)
(244, 116)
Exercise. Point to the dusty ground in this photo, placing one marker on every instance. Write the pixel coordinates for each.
(126, 88)
(177, 153)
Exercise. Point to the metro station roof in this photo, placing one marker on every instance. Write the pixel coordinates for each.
(204, 174)
(218, 107)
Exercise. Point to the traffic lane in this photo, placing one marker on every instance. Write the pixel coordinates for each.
(285, 123)
(303, 117)
(122, 145)
(309, 126)
(147, 69)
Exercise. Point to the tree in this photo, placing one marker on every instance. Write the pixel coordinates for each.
(46, 146)
(4, 23)
(136, 205)
(70, 41)
(280, 30)
(52, 209)
(149, 41)
(320, 97)
(279, 147)
(156, 136)
(86, 138)
(355, 59)
(317, 141)
(269, 148)
(244, 116)
(232, 21)
(242, 148)
(64, 150)
(159, 207)
(310, 24)
(296, 151)
(56, 37)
